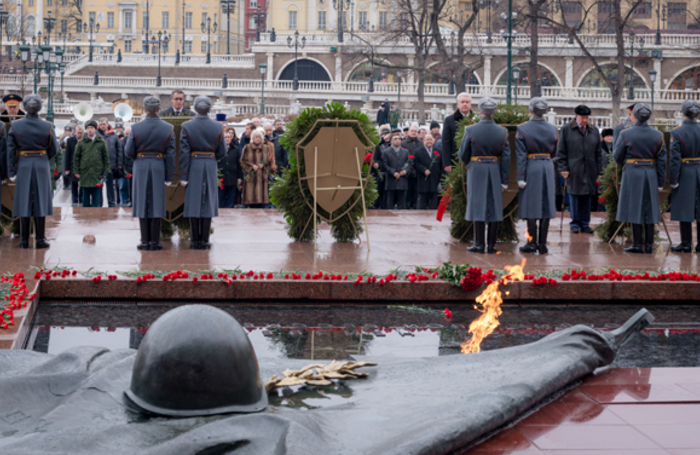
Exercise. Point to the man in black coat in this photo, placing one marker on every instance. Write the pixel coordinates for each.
(281, 158)
(378, 170)
(412, 143)
(427, 164)
(116, 159)
(230, 171)
(579, 161)
(71, 143)
(449, 130)
(177, 106)
(382, 115)
(398, 168)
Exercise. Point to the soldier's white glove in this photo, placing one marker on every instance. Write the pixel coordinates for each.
(183, 183)
(661, 188)
(675, 186)
(522, 184)
(504, 187)
(168, 183)
(12, 179)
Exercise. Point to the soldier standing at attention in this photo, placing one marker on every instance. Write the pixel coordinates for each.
(536, 145)
(486, 152)
(641, 150)
(31, 143)
(684, 174)
(201, 146)
(151, 145)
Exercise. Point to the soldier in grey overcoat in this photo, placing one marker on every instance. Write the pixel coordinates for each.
(31, 143)
(3, 159)
(151, 146)
(486, 152)
(684, 175)
(535, 146)
(642, 152)
(201, 146)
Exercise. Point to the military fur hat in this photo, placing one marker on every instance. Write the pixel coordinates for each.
(202, 105)
(690, 108)
(32, 104)
(91, 123)
(538, 106)
(151, 104)
(582, 109)
(487, 106)
(642, 112)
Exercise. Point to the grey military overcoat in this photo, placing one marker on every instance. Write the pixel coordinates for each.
(535, 146)
(33, 191)
(485, 175)
(685, 143)
(201, 134)
(639, 194)
(151, 171)
(3, 156)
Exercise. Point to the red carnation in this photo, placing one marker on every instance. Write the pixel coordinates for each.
(368, 158)
(410, 157)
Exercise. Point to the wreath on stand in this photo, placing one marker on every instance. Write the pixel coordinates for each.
(291, 195)
(456, 181)
(612, 176)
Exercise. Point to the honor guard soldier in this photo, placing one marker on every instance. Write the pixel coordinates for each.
(12, 110)
(641, 150)
(684, 175)
(486, 152)
(625, 125)
(3, 159)
(151, 145)
(536, 145)
(31, 143)
(201, 146)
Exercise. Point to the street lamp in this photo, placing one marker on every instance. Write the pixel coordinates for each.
(263, 70)
(3, 18)
(398, 76)
(93, 28)
(508, 36)
(48, 24)
(488, 5)
(148, 32)
(658, 23)
(295, 44)
(516, 77)
(47, 61)
(630, 79)
(341, 6)
(183, 27)
(208, 28)
(62, 70)
(652, 78)
(229, 7)
(163, 39)
(259, 19)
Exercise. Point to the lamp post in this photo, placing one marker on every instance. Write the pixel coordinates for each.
(630, 79)
(163, 39)
(208, 29)
(259, 19)
(48, 24)
(658, 23)
(398, 76)
(341, 6)
(183, 27)
(488, 5)
(263, 70)
(25, 51)
(370, 87)
(50, 62)
(92, 28)
(62, 70)
(652, 78)
(295, 44)
(229, 6)
(508, 36)
(146, 26)
(516, 77)
(3, 18)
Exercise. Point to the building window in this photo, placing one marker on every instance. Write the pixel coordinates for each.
(362, 20)
(573, 12)
(204, 47)
(64, 2)
(253, 3)
(92, 18)
(188, 46)
(677, 16)
(78, 26)
(165, 20)
(204, 19)
(252, 23)
(30, 3)
(321, 20)
(165, 47)
(383, 20)
(188, 21)
(642, 11)
(292, 20)
(110, 20)
(64, 25)
(49, 2)
(145, 20)
(127, 45)
(31, 25)
(127, 19)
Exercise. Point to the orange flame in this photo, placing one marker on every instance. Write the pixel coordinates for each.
(490, 301)
(529, 237)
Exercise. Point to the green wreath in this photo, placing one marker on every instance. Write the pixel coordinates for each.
(290, 197)
(461, 229)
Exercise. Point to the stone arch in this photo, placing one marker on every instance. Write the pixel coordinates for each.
(309, 62)
(695, 68)
(548, 68)
(612, 63)
(286, 8)
(474, 75)
(359, 67)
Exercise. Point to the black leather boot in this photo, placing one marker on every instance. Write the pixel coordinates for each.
(144, 226)
(493, 236)
(531, 245)
(686, 245)
(24, 225)
(194, 233)
(544, 230)
(479, 237)
(40, 232)
(649, 238)
(205, 226)
(697, 247)
(155, 235)
(636, 246)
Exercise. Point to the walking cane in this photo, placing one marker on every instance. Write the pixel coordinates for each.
(563, 197)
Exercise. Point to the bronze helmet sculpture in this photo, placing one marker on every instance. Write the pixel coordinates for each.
(196, 360)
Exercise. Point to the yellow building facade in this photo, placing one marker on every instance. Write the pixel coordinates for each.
(123, 25)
